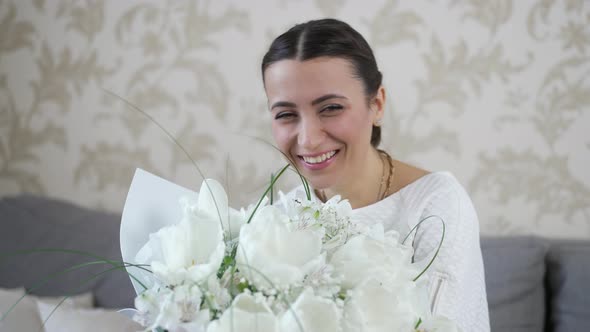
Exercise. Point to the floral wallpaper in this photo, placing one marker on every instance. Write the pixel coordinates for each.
(496, 91)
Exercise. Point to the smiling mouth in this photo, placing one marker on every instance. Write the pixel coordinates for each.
(319, 159)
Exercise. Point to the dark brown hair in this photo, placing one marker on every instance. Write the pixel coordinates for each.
(331, 38)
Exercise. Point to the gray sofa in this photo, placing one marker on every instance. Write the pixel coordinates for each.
(533, 284)
(536, 284)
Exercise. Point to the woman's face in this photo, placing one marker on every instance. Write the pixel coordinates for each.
(321, 119)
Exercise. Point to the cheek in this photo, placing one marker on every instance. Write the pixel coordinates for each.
(355, 128)
(281, 135)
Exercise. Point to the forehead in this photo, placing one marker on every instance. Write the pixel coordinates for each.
(294, 79)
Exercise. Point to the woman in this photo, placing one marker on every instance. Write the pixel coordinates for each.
(326, 100)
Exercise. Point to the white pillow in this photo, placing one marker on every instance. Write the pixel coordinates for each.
(84, 300)
(25, 315)
(68, 319)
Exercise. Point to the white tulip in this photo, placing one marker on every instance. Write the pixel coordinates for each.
(375, 254)
(213, 200)
(271, 253)
(247, 313)
(311, 313)
(193, 249)
(375, 307)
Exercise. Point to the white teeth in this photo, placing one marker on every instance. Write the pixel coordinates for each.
(320, 158)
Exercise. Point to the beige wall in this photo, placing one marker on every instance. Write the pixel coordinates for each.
(496, 91)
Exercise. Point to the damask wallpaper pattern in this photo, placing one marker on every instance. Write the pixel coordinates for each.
(495, 91)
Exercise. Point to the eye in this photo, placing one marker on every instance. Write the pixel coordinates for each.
(285, 115)
(332, 108)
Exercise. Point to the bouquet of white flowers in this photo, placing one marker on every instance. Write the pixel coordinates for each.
(298, 265)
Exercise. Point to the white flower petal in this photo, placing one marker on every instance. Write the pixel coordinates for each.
(246, 314)
(269, 251)
(373, 306)
(311, 313)
(192, 249)
(213, 200)
(375, 255)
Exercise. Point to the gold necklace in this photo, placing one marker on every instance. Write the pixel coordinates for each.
(382, 182)
(391, 174)
(321, 195)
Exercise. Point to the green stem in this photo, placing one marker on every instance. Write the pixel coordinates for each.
(439, 244)
(266, 191)
(77, 252)
(45, 280)
(272, 193)
(303, 180)
(175, 141)
(68, 295)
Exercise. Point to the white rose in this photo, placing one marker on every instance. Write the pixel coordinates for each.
(311, 313)
(376, 255)
(271, 253)
(247, 313)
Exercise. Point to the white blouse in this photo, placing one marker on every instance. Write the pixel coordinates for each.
(456, 278)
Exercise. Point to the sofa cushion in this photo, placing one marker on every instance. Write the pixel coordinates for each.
(32, 222)
(515, 269)
(82, 319)
(24, 315)
(568, 277)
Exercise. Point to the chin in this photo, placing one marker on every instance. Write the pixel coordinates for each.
(318, 182)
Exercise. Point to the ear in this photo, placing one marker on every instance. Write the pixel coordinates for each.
(378, 104)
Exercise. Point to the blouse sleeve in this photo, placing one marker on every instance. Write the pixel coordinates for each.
(456, 278)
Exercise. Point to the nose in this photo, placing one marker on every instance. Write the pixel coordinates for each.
(311, 133)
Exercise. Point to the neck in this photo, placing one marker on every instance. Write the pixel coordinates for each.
(361, 190)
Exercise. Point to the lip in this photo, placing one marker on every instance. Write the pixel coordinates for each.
(318, 166)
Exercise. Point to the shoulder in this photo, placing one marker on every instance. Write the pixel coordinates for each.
(434, 189)
(420, 184)
(439, 196)
(440, 181)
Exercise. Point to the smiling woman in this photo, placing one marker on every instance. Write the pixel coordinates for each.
(327, 100)
(323, 122)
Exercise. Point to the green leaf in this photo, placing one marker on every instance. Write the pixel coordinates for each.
(316, 214)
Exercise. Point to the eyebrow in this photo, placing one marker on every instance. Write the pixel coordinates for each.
(314, 102)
